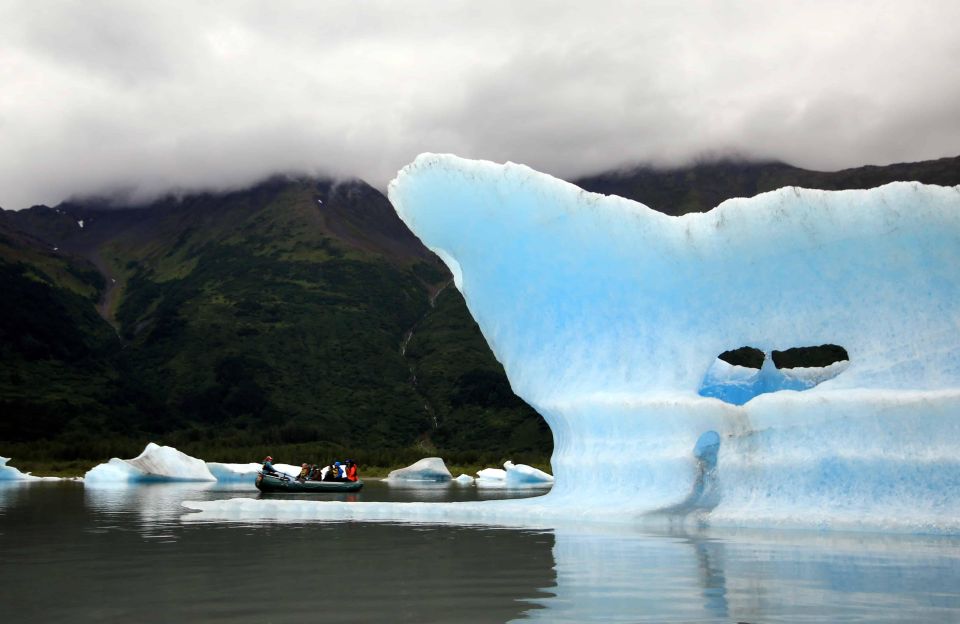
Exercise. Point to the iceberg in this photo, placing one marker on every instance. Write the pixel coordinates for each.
(522, 475)
(9, 473)
(431, 469)
(164, 464)
(232, 473)
(492, 474)
(155, 464)
(513, 476)
(608, 318)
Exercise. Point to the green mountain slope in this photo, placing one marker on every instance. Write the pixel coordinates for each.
(274, 316)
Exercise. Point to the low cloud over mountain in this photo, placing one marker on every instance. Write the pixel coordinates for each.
(146, 97)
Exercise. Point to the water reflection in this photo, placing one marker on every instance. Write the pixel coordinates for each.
(151, 509)
(430, 491)
(451, 491)
(11, 492)
(116, 550)
(624, 577)
(100, 551)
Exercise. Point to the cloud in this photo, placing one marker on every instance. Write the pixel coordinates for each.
(96, 96)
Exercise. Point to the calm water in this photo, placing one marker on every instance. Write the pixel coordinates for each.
(69, 554)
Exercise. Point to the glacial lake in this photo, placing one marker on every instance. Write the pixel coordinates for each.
(75, 554)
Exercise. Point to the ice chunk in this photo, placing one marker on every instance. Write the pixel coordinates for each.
(9, 473)
(607, 316)
(236, 472)
(491, 478)
(155, 463)
(492, 474)
(521, 475)
(165, 463)
(513, 476)
(464, 479)
(427, 469)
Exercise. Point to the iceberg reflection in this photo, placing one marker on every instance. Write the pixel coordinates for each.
(750, 577)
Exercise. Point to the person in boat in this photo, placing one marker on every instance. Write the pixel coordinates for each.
(335, 473)
(351, 470)
(267, 467)
(314, 473)
(304, 471)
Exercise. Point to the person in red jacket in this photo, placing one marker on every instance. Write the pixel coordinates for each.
(351, 470)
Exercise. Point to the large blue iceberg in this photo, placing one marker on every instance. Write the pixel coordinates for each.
(608, 318)
(607, 315)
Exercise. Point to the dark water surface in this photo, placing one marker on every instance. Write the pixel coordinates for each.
(70, 554)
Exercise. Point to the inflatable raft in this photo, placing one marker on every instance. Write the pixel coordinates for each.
(284, 483)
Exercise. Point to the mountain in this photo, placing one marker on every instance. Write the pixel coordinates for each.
(297, 312)
(698, 188)
(299, 316)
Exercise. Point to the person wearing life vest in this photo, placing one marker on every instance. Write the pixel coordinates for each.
(304, 471)
(351, 470)
(333, 472)
(268, 466)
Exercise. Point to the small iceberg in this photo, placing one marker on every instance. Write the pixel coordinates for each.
(464, 479)
(9, 473)
(427, 469)
(491, 477)
(513, 476)
(155, 464)
(522, 475)
(229, 473)
(165, 464)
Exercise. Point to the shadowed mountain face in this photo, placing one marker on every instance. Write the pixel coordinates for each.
(299, 311)
(275, 315)
(704, 186)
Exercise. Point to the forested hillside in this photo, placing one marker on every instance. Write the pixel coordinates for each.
(298, 312)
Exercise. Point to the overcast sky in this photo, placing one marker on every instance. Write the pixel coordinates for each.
(156, 95)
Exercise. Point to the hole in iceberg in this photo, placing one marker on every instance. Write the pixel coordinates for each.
(810, 357)
(748, 357)
(739, 375)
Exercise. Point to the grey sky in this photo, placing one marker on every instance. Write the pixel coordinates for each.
(156, 95)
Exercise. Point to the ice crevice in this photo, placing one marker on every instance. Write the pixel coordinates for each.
(607, 317)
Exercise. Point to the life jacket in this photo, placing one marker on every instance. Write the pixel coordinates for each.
(352, 472)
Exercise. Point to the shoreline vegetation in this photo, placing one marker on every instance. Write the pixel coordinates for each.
(373, 463)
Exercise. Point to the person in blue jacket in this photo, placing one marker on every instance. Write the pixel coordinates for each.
(268, 466)
(334, 472)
